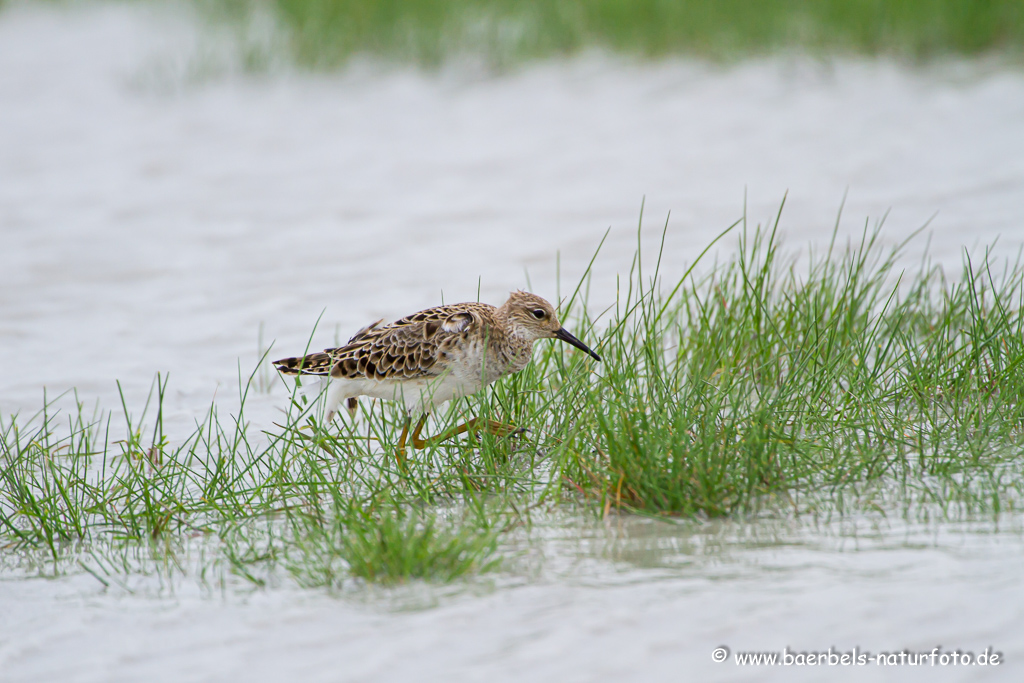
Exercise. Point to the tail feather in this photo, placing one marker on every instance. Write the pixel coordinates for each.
(319, 363)
(313, 364)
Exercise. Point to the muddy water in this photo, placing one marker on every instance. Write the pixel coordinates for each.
(157, 207)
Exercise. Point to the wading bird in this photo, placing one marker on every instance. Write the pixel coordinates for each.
(433, 356)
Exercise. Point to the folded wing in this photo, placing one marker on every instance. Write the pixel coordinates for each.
(406, 349)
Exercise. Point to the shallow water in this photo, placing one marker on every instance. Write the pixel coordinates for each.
(631, 599)
(157, 207)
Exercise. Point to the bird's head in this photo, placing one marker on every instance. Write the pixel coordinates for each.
(533, 318)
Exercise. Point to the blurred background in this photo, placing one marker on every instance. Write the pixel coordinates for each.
(506, 32)
(185, 186)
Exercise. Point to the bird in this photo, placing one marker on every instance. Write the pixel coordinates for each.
(433, 356)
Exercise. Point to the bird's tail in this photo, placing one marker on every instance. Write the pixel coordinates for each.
(313, 364)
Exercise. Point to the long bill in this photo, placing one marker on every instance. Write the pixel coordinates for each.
(566, 336)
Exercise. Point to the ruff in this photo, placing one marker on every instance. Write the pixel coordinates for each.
(435, 355)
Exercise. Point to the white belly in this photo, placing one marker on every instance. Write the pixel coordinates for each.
(417, 395)
(465, 376)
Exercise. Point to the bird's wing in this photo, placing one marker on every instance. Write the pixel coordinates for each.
(405, 349)
(413, 347)
(362, 333)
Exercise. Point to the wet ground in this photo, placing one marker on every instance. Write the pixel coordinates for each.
(158, 206)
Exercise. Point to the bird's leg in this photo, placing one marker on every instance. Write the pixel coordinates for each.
(491, 426)
(400, 446)
(417, 442)
(352, 405)
(502, 429)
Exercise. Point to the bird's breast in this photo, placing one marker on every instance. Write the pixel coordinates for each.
(481, 364)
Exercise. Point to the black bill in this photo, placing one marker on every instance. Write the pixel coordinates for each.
(565, 336)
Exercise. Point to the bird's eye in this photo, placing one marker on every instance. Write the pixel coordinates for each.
(539, 313)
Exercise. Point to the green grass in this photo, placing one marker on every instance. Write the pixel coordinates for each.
(761, 383)
(328, 32)
(833, 384)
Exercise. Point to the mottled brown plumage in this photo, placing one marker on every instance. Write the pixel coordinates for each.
(435, 355)
(405, 349)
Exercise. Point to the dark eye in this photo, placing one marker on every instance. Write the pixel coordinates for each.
(539, 313)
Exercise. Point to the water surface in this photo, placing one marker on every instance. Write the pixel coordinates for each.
(157, 206)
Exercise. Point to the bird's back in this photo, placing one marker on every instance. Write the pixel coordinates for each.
(419, 346)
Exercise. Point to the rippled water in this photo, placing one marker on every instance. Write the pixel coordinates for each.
(157, 207)
(633, 599)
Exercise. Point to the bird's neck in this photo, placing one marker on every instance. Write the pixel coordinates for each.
(515, 347)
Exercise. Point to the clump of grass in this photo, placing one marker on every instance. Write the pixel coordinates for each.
(389, 545)
(328, 32)
(305, 495)
(762, 384)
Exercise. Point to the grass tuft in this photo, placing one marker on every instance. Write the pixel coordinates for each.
(833, 383)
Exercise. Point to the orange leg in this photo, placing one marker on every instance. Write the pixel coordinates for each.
(490, 426)
(400, 446)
